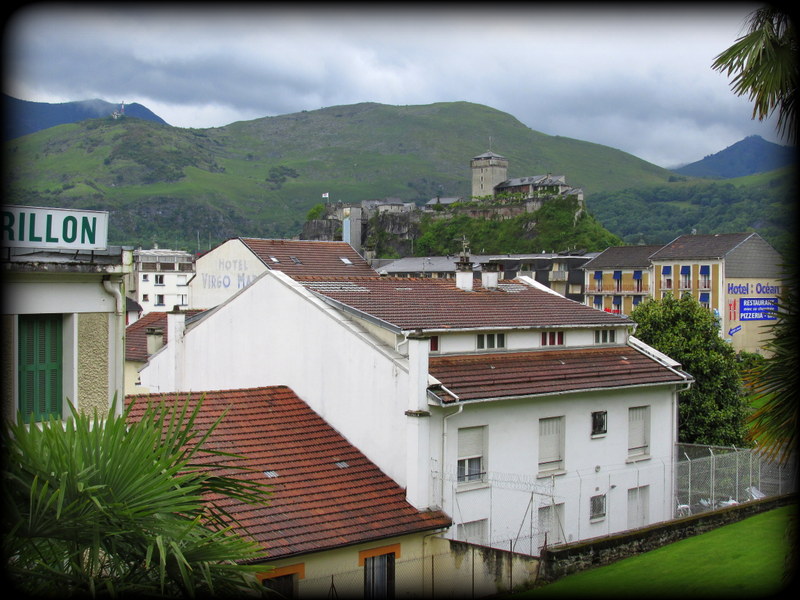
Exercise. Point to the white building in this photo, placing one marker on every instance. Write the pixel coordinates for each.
(237, 262)
(160, 278)
(523, 415)
(63, 314)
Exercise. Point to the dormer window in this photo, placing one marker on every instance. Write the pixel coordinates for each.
(491, 341)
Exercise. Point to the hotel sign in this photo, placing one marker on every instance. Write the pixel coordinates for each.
(54, 228)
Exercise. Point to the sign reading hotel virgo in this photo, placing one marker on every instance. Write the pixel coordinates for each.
(55, 228)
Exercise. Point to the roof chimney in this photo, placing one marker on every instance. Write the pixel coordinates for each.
(155, 339)
(464, 270)
(490, 273)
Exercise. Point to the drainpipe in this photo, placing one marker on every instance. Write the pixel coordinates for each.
(119, 344)
(444, 445)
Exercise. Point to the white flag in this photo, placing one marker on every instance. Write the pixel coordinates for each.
(325, 195)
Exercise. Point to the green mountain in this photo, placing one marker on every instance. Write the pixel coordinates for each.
(192, 188)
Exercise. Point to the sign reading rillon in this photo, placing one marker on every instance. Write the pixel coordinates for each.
(56, 228)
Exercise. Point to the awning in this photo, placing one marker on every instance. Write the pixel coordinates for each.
(598, 274)
(617, 274)
(666, 270)
(686, 270)
(704, 297)
(637, 274)
(705, 269)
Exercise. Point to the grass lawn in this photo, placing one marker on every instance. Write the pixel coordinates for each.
(743, 559)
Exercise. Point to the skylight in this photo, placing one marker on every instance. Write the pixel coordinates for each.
(296, 260)
(346, 260)
(271, 474)
(342, 464)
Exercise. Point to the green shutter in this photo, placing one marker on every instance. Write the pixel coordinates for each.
(40, 366)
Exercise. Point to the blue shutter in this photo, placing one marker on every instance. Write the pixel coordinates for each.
(686, 270)
(598, 274)
(637, 274)
(617, 274)
(705, 270)
(666, 270)
(617, 300)
(704, 297)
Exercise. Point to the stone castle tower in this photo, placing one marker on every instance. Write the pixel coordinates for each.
(488, 170)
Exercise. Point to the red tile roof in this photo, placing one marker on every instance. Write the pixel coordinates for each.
(482, 376)
(316, 504)
(136, 333)
(306, 257)
(426, 303)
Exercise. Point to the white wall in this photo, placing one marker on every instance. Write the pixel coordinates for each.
(512, 463)
(275, 332)
(222, 272)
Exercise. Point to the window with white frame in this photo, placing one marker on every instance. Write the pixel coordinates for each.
(599, 422)
(471, 454)
(686, 277)
(159, 279)
(551, 525)
(605, 336)
(705, 277)
(597, 507)
(491, 341)
(638, 431)
(551, 444)
(666, 277)
(159, 299)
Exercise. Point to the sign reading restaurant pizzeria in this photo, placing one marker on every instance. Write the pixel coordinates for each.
(54, 228)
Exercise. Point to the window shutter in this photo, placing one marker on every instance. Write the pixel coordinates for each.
(550, 440)
(40, 369)
(637, 429)
(705, 270)
(470, 442)
(686, 270)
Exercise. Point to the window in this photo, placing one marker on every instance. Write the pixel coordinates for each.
(666, 277)
(183, 299)
(159, 279)
(637, 281)
(598, 281)
(182, 280)
(145, 297)
(617, 281)
(551, 444)
(434, 343)
(40, 366)
(599, 422)
(490, 341)
(282, 585)
(638, 506)
(379, 571)
(145, 277)
(552, 338)
(551, 525)
(471, 445)
(473, 532)
(296, 260)
(597, 507)
(686, 277)
(638, 431)
(705, 300)
(705, 277)
(605, 336)
(159, 299)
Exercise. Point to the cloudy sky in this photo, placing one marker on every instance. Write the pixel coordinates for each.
(629, 76)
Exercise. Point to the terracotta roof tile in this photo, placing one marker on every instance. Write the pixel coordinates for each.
(481, 376)
(315, 503)
(136, 333)
(306, 257)
(426, 303)
(712, 245)
(623, 256)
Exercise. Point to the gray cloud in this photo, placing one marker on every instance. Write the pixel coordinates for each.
(634, 78)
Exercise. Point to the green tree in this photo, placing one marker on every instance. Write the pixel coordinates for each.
(112, 508)
(712, 411)
(764, 64)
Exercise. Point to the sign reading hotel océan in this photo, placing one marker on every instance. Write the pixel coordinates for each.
(55, 228)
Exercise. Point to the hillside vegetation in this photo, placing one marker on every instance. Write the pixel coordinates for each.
(193, 188)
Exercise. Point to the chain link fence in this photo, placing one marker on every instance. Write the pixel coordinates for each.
(711, 477)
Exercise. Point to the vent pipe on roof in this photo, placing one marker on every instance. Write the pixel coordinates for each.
(464, 268)
(155, 339)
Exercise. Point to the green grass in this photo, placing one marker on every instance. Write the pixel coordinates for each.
(744, 559)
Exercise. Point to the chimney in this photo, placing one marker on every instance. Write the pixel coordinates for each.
(464, 273)
(155, 339)
(490, 273)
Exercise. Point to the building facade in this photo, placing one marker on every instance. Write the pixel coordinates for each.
(160, 278)
(568, 421)
(63, 315)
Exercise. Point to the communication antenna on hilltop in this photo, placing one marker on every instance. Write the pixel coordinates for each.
(122, 108)
(490, 143)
